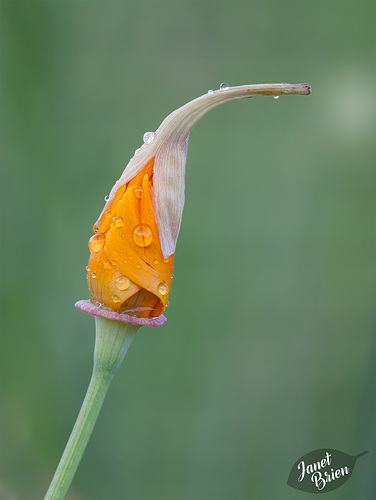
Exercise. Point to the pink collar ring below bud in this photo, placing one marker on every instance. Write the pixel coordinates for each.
(88, 307)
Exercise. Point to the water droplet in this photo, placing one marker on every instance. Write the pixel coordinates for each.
(148, 137)
(137, 151)
(166, 260)
(88, 269)
(224, 86)
(142, 235)
(138, 192)
(106, 198)
(210, 91)
(163, 288)
(107, 264)
(123, 283)
(93, 275)
(138, 266)
(96, 242)
(168, 303)
(118, 222)
(155, 262)
(115, 299)
(276, 97)
(96, 229)
(107, 213)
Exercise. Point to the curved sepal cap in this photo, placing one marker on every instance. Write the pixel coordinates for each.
(169, 148)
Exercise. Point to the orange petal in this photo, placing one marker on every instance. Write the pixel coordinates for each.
(131, 251)
(103, 282)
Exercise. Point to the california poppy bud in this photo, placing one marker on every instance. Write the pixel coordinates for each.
(128, 271)
(132, 250)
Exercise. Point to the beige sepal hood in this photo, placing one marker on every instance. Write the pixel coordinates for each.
(168, 146)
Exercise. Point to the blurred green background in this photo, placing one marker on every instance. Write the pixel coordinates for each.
(268, 351)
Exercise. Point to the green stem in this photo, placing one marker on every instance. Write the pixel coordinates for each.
(112, 341)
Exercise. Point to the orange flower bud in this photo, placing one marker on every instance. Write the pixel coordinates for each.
(132, 250)
(127, 270)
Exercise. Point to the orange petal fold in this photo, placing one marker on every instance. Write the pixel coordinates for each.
(127, 271)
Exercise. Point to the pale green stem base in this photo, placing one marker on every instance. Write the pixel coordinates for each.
(112, 341)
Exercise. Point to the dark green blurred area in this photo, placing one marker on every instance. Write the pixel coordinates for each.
(268, 352)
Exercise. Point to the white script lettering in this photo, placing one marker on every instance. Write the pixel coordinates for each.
(311, 468)
(320, 481)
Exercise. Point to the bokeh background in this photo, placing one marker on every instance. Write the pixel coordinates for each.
(267, 353)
